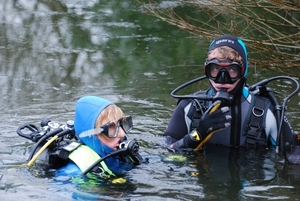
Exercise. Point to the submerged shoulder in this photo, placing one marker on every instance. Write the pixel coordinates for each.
(71, 169)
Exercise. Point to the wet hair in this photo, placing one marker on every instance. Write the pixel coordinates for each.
(109, 114)
(234, 43)
(224, 53)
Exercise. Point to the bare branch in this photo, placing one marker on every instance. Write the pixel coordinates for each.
(271, 29)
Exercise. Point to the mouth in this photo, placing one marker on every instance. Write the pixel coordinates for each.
(118, 145)
(222, 88)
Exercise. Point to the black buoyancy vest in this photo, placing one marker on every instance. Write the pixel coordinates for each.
(254, 123)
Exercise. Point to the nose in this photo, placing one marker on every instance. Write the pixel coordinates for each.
(121, 132)
(223, 77)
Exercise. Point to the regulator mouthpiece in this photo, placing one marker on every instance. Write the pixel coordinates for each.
(132, 151)
(223, 96)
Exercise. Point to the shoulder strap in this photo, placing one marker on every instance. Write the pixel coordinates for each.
(256, 118)
(84, 157)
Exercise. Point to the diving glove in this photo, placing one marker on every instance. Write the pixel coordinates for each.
(214, 119)
(189, 141)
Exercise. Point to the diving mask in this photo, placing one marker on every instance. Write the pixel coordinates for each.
(223, 71)
(110, 129)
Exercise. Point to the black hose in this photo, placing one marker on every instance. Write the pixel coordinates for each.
(103, 158)
(278, 112)
(198, 96)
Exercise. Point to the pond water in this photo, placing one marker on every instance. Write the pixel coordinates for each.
(54, 52)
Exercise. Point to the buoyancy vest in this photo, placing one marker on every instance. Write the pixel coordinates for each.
(84, 157)
(255, 127)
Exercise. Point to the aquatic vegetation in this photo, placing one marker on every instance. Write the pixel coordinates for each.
(270, 28)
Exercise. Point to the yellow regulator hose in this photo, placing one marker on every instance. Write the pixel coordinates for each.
(209, 136)
(29, 164)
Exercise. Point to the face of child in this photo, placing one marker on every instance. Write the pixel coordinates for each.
(113, 142)
(115, 125)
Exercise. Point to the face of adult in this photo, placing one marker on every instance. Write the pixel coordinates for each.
(229, 87)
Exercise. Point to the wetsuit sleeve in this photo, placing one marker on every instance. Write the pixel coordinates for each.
(177, 127)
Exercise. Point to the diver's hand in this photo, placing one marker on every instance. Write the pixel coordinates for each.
(187, 143)
(213, 119)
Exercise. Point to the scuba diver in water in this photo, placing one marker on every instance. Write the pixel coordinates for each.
(101, 146)
(230, 112)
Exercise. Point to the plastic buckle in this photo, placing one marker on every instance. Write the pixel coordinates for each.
(100, 171)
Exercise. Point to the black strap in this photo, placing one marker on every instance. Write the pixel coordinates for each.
(256, 122)
(66, 150)
(235, 128)
(196, 113)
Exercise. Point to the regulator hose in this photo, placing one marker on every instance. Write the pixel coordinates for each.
(55, 134)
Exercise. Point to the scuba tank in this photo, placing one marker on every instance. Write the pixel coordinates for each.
(49, 138)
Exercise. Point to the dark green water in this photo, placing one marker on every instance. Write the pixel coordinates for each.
(54, 52)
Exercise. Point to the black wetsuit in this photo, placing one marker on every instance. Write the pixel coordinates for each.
(181, 123)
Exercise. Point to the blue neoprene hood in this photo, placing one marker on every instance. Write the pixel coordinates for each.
(87, 111)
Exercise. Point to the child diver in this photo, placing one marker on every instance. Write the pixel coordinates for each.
(100, 147)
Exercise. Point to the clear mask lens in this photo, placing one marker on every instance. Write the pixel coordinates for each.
(111, 129)
(233, 70)
(126, 123)
(223, 71)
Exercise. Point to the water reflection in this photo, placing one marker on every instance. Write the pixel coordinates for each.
(54, 52)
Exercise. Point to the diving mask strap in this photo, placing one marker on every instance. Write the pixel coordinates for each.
(90, 132)
(84, 157)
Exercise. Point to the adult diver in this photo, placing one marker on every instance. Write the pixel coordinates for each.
(230, 112)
